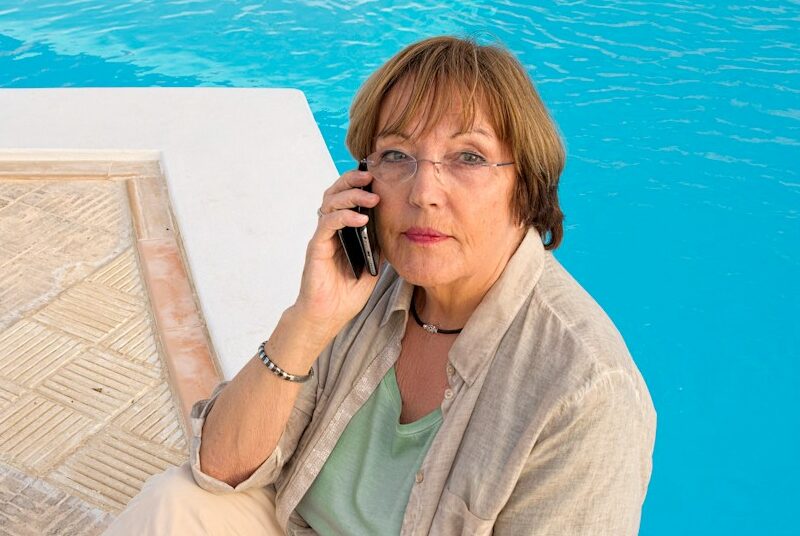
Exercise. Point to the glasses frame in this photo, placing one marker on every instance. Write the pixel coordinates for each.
(365, 162)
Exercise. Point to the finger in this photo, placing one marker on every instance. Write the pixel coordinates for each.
(330, 223)
(350, 179)
(355, 197)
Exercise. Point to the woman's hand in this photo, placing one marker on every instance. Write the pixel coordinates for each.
(329, 293)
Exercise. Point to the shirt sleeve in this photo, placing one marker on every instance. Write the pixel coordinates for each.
(269, 470)
(589, 471)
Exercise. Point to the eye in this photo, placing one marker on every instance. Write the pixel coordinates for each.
(469, 159)
(392, 156)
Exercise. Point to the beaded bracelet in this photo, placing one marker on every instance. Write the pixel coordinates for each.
(278, 371)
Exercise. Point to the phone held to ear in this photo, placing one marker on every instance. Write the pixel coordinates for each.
(360, 243)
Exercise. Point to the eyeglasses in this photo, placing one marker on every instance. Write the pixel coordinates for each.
(393, 167)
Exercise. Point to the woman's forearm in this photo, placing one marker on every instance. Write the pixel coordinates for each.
(251, 413)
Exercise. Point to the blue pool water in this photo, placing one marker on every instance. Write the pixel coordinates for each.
(682, 189)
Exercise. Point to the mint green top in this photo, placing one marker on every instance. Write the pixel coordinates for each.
(363, 487)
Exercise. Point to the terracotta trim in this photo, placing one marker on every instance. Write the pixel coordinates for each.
(183, 338)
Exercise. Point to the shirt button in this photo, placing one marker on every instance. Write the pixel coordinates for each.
(448, 394)
(420, 477)
(450, 370)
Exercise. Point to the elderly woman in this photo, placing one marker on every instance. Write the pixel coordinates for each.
(473, 387)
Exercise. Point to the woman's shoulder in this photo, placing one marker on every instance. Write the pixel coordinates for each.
(573, 342)
(561, 306)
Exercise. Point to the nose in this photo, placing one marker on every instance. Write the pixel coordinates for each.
(427, 184)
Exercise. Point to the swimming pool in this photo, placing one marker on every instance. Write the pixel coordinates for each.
(682, 191)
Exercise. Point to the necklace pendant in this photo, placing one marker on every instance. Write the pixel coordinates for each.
(430, 328)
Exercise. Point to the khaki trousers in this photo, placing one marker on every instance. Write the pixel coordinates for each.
(171, 503)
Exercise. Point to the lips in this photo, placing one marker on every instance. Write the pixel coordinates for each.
(424, 235)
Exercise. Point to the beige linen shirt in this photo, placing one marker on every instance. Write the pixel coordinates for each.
(548, 425)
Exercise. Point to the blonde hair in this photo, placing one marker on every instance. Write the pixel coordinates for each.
(441, 69)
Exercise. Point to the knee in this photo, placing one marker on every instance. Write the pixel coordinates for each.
(172, 503)
(175, 486)
(166, 504)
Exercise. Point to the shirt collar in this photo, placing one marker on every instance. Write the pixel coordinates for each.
(399, 299)
(477, 343)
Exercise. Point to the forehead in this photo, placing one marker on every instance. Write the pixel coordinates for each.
(410, 113)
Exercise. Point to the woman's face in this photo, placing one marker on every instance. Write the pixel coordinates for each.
(435, 229)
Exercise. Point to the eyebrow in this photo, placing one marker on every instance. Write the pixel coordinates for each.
(405, 136)
(478, 130)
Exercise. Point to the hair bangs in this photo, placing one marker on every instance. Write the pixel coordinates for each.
(430, 91)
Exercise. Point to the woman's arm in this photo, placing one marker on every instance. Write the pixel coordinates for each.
(251, 413)
(588, 474)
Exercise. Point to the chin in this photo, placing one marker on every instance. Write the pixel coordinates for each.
(424, 273)
(422, 280)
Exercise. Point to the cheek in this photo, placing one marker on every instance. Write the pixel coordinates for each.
(389, 211)
(387, 221)
(485, 216)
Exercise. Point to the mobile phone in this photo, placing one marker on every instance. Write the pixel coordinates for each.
(360, 243)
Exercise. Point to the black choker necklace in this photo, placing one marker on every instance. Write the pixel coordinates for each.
(430, 328)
